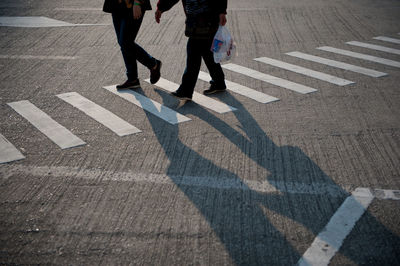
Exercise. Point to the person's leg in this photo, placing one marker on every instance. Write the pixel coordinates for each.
(127, 29)
(193, 63)
(215, 70)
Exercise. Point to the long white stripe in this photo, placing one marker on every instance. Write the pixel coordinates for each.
(198, 98)
(269, 79)
(45, 124)
(98, 113)
(337, 64)
(375, 47)
(305, 71)
(242, 90)
(361, 56)
(149, 105)
(387, 39)
(39, 57)
(330, 239)
(8, 152)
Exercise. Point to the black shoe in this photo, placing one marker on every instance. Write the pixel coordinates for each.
(129, 85)
(214, 89)
(155, 74)
(180, 96)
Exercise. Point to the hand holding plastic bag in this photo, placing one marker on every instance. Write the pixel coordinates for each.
(223, 46)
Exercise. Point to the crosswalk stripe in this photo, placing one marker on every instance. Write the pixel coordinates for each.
(387, 39)
(149, 105)
(38, 57)
(198, 98)
(98, 113)
(304, 71)
(45, 124)
(375, 47)
(269, 79)
(337, 64)
(375, 59)
(242, 90)
(8, 152)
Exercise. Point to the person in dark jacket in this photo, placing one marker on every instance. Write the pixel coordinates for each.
(202, 20)
(127, 16)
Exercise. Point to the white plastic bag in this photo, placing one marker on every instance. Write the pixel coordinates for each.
(223, 46)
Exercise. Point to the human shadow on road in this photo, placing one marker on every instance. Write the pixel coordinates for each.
(249, 222)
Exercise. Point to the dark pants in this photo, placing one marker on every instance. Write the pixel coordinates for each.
(197, 49)
(126, 29)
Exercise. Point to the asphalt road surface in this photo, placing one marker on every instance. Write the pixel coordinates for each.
(297, 163)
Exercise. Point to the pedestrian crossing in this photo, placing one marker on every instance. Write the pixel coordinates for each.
(65, 139)
(198, 98)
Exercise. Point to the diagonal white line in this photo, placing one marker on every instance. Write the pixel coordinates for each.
(98, 113)
(366, 57)
(338, 64)
(304, 71)
(242, 90)
(387, 39)
(149, 105)
(198, 98)
(375, 47)
(45, 124)
(269, 79)
(330, 239)
(8, 152)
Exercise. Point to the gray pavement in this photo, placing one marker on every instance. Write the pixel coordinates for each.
(257, 186)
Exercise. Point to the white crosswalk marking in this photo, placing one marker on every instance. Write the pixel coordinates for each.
(149, 105)
(38, 57)
(375, 47)
(374, 59)
(337, 64)
(198, 98)
(387, 39)
(305, 71)
(242, 90)
(269, 79)
(8, 152)
(98, 113)
(45, 124)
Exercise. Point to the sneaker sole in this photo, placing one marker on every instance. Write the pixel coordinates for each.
(154, 82)
(130, 87)
(182, 98)
(212, 92)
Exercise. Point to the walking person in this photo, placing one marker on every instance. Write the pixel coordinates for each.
(202, 20)
(127, 16)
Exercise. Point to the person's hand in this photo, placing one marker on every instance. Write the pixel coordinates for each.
(137, 12)
(158, 16)
(222, 19)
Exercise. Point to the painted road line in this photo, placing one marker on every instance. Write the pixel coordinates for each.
(149, 105)
(8, 152)
(337, 64)
(198, 98)
(269, 79)
(387, 39)
(375, 47)
(38, 22)
(242, 90)
(45, 124)
(330, 239)
(304, 71)
(361, 56)
(78, 9)
(38, 57)
(98, 113)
